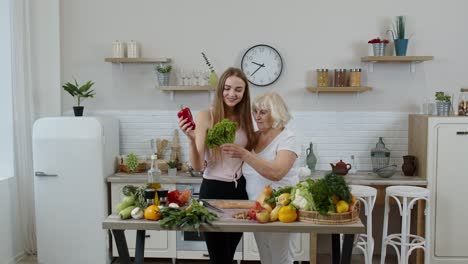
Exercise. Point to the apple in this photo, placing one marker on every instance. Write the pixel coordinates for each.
(262, 216)
(254, 209)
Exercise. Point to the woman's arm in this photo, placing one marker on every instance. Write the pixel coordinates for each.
(273, 170)
(197, 138)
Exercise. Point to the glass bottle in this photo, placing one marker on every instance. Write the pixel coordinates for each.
(154, 174)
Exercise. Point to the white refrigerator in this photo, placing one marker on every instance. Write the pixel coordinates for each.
(72, 158)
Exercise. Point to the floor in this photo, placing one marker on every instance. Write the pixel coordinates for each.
(322, 259)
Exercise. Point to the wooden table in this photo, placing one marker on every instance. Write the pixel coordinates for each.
(228, 224)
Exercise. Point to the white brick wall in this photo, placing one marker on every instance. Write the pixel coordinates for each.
(336, 135)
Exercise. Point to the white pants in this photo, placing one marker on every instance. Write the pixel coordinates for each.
(275, 248)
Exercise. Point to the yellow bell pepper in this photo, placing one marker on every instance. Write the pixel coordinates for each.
(287, 214)
(284, 198)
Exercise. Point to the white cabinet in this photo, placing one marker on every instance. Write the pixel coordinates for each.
(301, 247)
(441, 147)
(158, 244)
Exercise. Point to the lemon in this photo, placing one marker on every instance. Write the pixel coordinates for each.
(342, 206)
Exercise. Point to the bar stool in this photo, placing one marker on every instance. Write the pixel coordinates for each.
(365, 242)
(407, 242)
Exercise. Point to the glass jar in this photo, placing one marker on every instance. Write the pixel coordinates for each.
(380, 155)
(355, 77)
(322, 78)
(463, 102)
(340, 77)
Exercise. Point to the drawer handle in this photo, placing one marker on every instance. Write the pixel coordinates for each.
(206, 255)
(462, 132)
(147, 236)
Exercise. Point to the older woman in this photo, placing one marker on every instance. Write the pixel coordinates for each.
(271, 162)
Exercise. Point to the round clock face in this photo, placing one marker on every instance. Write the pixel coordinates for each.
(262, 65)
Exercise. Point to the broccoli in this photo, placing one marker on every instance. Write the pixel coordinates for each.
(221, 133)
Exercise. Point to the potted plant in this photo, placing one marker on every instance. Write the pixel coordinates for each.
(80, 92)
(378, 46)
(443, 103)
(163, 72)
(399, 37)
(172, 168)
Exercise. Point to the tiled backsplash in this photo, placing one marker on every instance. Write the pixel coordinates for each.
(335, 135)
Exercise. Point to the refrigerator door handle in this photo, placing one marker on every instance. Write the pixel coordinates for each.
(42, 174)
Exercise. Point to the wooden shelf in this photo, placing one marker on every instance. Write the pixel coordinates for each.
(187, 88)
(402, 59)
(396, 59)
(137, 60)
(339, 89)
(464, 90)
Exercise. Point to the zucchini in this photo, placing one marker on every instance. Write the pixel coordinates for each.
(127, 212)
(126, 202)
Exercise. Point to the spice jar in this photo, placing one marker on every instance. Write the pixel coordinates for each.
(162, 194)
(322, 78)
(463, 102)
(355, 77)
(149, 196)
(340, 77)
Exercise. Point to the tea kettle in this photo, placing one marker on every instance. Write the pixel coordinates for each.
(341, 168)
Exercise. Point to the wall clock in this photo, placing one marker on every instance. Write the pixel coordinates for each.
(262, 64)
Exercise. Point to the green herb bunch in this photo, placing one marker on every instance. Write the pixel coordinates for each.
(221, 133)
(442, 97)
(131, 161)
(190, 217)
(164, 69)
(207, 62)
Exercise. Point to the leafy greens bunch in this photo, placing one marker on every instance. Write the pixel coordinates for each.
(221, 133)
(186, 218)
(325, 188)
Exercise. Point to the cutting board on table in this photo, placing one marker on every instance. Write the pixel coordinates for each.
(232, 204)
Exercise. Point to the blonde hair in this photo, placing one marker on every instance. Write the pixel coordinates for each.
(273, 103)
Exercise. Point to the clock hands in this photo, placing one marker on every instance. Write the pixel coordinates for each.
(263, 64)
(259, 66)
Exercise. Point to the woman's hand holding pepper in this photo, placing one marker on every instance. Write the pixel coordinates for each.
(186, 127)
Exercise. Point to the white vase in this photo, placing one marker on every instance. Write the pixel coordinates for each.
(172, 172)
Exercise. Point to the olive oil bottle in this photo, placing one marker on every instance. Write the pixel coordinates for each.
(154, 177)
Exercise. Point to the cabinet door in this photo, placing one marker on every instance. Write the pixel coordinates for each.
(451, 191)
(300, 245)
(158, 244)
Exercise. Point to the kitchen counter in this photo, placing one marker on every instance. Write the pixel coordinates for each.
(226, 223)
(182, 177)
(359, 178)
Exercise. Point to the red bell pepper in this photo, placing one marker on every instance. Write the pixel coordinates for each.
(186, 114)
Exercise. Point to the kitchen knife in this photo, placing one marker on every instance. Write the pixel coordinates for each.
(208, 205)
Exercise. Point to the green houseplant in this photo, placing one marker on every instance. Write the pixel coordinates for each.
(172, 167)
(163, 72)
(443, 103)
(80, 92)
(213, 79)
(399, 35)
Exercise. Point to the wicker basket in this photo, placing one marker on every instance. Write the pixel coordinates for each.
(140, 168)
(332, 218)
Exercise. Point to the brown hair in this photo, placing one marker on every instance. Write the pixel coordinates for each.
(242, 109)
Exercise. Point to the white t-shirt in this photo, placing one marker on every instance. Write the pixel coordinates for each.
(285, 140)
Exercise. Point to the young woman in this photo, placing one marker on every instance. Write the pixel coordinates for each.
(271, 162)
(222, 177)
